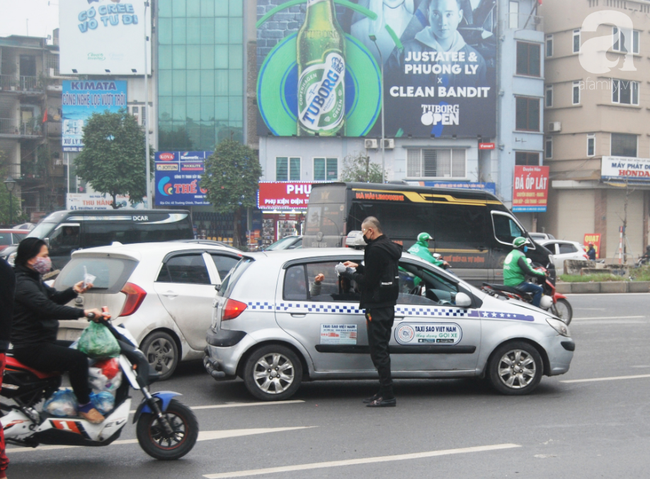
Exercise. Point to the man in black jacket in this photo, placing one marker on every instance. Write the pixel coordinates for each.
(378, 280)
(7, 289)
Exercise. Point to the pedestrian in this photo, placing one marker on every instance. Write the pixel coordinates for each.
(591, 252)
(379, 283)
(7, 290)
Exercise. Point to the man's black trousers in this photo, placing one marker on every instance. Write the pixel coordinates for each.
(379, 323)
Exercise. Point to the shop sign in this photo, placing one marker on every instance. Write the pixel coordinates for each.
(530, 193)
(274, 195)
(178, 178)
(625, 168)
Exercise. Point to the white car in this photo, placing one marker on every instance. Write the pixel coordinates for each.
(161, 292)
(540, 237)
(562, 250)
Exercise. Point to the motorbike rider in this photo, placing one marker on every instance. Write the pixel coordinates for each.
(37, 309)
(516, 268)
(421, 249)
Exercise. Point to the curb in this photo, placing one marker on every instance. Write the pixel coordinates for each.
(604, 287)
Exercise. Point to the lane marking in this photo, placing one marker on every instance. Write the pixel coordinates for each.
(613, 378)
(606, 294)
(203, 436)
(249, 404)
(354, 462)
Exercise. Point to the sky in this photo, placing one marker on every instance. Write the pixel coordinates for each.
(34, 17)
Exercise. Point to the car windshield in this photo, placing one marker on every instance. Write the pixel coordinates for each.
(283, 243)
(110, 273)
(42, 230)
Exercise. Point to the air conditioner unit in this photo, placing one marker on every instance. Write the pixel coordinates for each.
(51, 71)
(555, 126)
(370, 143)
(389, 143)
(59, 162)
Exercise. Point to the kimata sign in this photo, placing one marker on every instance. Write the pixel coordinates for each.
(102, 37)
(283, 195)
(530, 193)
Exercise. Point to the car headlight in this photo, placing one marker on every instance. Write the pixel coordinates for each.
(559, 326)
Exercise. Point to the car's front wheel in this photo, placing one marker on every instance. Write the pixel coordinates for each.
(273, 373)
(161, 352)
(515, 368)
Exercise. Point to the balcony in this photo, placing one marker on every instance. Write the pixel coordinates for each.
(19, 130)
(20, 83)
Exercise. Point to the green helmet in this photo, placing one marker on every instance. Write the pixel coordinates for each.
(424, 237)
(520, 242)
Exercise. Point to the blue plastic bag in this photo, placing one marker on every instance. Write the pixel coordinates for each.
(103, 401)
(63, 403)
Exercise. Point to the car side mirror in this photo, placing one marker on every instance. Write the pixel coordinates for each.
(463, 300)
(217, 287)
(47, 241)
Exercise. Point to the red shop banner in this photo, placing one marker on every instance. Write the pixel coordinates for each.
(530, 193)
(292, 195)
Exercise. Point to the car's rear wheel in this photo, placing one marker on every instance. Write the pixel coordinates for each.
(273, 373)
(515, 368)
(161, 352)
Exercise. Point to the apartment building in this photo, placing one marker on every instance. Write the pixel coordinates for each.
(30, 122)
(597, 111)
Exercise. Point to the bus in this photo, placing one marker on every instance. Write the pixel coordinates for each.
(472, 229)
(69, 230)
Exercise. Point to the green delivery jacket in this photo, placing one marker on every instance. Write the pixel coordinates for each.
(515, 269)
(421, 249)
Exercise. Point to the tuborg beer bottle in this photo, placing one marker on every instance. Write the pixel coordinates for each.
(321, 72)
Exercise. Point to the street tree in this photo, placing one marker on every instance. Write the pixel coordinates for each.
(112, 160)
(231, 178)
(358, 167)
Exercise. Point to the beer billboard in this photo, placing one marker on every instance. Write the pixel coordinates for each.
(321, 64)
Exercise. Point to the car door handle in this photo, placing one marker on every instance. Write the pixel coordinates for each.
(298, 315)
(399, 318)
(169, 294)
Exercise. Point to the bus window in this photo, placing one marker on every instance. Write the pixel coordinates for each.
(505, 228)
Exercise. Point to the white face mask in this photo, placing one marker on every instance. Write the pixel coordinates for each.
(43, 264)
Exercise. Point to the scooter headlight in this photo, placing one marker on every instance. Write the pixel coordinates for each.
(559, 326)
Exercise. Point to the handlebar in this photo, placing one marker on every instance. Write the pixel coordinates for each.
(103, 318)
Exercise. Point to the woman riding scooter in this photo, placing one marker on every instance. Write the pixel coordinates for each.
(37, 309)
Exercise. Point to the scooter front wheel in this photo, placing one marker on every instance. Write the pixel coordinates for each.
(167, 447)
(564, 311)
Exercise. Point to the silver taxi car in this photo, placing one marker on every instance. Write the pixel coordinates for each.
(274, 327)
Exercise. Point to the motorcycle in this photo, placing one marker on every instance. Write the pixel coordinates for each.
(553, 301)
(166, 429)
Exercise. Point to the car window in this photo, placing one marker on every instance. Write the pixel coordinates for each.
(423, 286)
(551, 247)
(188, 268)
(332, 287)
(223, 263)
(567, 248)
(295, 284)
(505, 228)
(110, 273)
(230, 281)
(5, 239)
(64, 240)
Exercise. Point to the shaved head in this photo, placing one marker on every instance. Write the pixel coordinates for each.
(372, 222)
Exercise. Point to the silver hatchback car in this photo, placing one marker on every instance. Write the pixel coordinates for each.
(275, 327)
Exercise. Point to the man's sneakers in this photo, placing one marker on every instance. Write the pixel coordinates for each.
(90, 414)
(382, 402)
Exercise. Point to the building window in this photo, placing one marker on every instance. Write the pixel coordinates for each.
(527, 114)
(287, 169)
(625, 40)
(591, 145)
(575, 93)
(514, 15)
(576, 41)
(548, 98)
(625, 92)
(548, 147)
(549, 45)
(438, 163)
(528, 59)
(526, 158)
(624, 145)
(326, 169)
